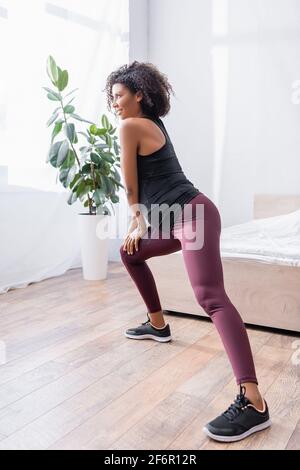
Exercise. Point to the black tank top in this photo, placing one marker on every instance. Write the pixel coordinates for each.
(161, 181)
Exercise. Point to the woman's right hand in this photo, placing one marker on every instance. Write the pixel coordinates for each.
(132, 226)
(131, 242)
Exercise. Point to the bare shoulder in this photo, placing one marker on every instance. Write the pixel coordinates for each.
(131, 128)
(130, 123)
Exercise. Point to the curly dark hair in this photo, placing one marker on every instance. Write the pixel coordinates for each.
(144, 77)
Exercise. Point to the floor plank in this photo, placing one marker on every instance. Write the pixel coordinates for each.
(72, 380)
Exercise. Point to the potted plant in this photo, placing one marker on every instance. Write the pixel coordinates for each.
(88, 170)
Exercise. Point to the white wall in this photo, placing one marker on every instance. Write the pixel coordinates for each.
(138, 30)
(233, 123)
(138, 44)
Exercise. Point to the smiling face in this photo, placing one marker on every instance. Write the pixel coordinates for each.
(125, 103)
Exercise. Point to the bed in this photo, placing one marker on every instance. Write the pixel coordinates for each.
(261, 264)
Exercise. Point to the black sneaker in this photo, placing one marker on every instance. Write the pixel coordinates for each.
(239, 420)
(148, 331)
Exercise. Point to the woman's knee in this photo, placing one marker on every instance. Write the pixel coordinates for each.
(211, 300)
(126, 258)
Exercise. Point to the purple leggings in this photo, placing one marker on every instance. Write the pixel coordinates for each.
(205, 272)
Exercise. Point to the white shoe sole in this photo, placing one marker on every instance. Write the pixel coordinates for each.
(156, 338)
(216, 437)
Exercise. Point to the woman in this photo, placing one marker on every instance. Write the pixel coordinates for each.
(139, 94)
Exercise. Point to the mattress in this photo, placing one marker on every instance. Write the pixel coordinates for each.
(273, 240)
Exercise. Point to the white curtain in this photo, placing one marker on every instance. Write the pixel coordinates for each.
(90, 39)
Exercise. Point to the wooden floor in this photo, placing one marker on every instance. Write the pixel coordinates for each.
(72, 380)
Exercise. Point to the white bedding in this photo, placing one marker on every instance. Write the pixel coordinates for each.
(271, 240)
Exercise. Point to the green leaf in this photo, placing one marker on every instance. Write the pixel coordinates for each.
(101, 146)
(69, 161)
(63, 152)
(116, 174)
(99, 197)
(51, 97)
(105, 183)
(72, 198)
(112, 130)
(95, 158)
(75, 180)
(53, 162)
(66, 175)
(78, 118)
(70, 131)
(108, 140)
(116, 147)
(52, 70)
(101, 132)
(55, 95)
(86, 169)
(120, 185)
(107, 158)
(62, 79)
(93, 129)
(69, 109)
(84, 150)
(82, 189)
(104, 121)
(56, 130)
(52, 119)
(114, 198)
(53, 151)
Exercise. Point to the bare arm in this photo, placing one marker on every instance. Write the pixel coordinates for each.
(129, 144)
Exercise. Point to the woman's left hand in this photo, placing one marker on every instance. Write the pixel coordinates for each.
(132, 239)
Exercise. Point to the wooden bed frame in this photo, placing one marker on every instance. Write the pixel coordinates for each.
(264, 294)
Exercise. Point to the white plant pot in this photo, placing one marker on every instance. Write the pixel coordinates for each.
(94, 241)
